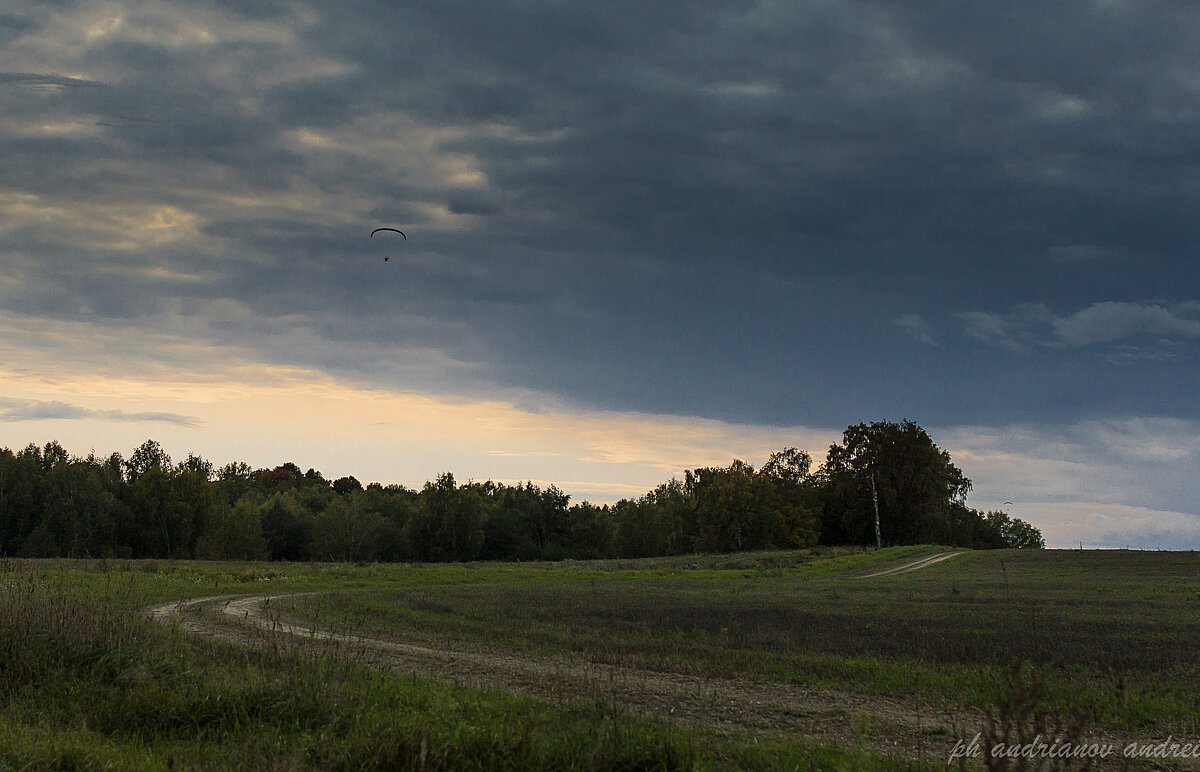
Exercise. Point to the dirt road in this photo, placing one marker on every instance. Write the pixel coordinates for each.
(915, 565)
(901, 727)
(871, 722)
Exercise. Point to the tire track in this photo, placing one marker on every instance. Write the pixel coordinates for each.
(916, 565)
(881, 725)
(725, 704)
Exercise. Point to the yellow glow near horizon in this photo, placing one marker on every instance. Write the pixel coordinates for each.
(122, 386)
(227, 408)
(266, 415)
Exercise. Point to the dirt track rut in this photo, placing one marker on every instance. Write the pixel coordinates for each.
(883, 725)
(914, 566)
(899, 727)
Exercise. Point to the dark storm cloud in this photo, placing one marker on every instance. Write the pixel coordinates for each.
(747, 210)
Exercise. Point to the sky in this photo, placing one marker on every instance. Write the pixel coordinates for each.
(641, 238)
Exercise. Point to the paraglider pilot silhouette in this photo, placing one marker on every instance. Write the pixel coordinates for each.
(393, 230)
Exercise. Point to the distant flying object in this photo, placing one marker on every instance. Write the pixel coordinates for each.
(393, 230)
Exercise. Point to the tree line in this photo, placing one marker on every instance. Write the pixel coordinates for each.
(147, 506)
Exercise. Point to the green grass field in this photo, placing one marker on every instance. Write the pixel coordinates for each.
(1088, 621)
(87, 683)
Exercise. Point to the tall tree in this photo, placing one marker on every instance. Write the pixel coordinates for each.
(449, 522)
(234, 533)
(287, 526)
(149, 455)
(589, 532)
(22, 491)
(789, 474)
(348, 530)
(913, 478)
(641, 529)
(740, 509)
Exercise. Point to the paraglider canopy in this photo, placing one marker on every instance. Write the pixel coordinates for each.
(391, 230)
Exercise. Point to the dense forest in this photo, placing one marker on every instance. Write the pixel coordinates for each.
(56, 505)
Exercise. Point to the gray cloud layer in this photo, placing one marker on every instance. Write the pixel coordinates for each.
(40, 410)
(1125, 331)
(747, 210)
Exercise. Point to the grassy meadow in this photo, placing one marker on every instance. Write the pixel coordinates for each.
(1113, 632)
(1107, 640)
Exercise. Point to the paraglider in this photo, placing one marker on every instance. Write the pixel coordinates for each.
(393, 230)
